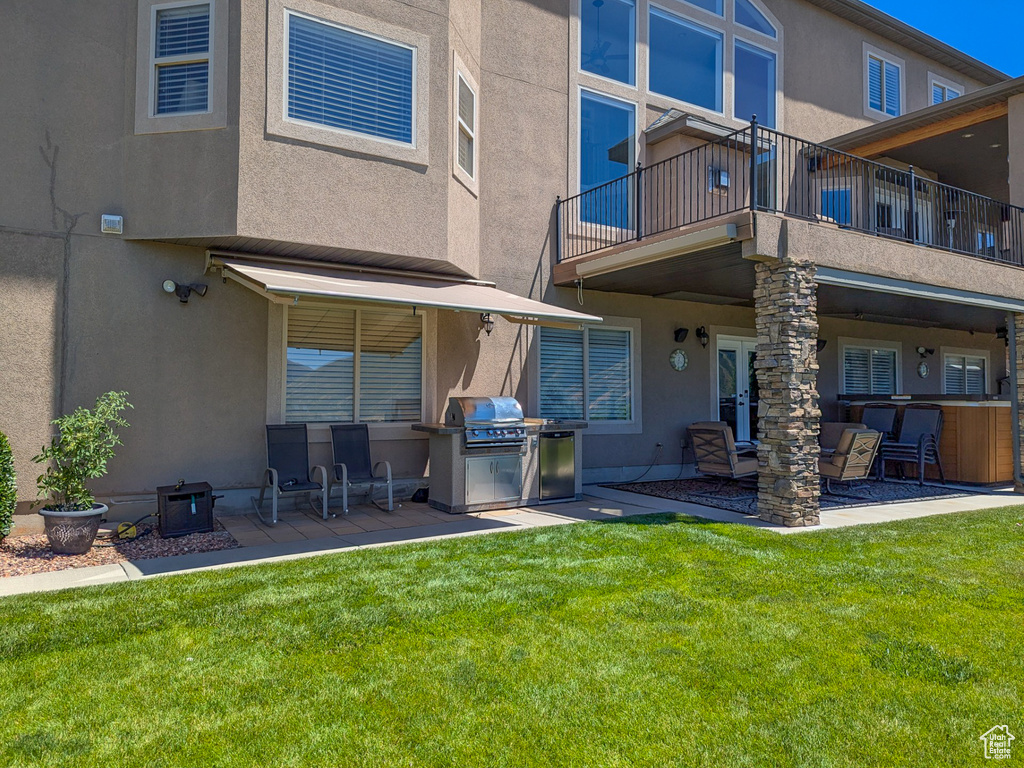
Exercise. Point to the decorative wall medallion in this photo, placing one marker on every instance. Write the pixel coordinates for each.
(678, 360)
(922, 369)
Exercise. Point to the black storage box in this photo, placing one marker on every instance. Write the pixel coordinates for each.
(185, 509)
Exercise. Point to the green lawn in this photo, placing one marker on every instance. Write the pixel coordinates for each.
(654, 641)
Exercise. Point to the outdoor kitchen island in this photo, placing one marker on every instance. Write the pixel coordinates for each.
(486, 455)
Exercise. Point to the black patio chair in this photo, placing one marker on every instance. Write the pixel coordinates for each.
(288, 471)
(918, 440)
(881, 417)
(351, 446)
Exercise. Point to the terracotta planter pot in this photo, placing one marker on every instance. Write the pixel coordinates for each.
(72, 533)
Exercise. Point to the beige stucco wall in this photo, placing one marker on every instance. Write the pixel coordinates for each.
(1016, 148)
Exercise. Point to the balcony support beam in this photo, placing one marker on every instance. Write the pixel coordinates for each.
(785, 302)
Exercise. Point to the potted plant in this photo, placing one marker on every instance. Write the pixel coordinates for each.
(80, 451)
(8, 487)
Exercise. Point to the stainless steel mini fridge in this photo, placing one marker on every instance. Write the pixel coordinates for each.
(557, 466)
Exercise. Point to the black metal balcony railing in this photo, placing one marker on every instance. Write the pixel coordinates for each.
(762, 169)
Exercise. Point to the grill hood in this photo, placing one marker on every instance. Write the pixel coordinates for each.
(482, 410)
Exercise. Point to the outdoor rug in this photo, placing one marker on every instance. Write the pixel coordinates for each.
(743, 498)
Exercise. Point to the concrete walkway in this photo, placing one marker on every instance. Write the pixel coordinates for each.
(599, 504)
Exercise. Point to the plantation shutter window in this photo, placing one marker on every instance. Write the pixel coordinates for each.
(884, 86)
(586, 374)
(561, 373)
(353, 365)
(348, 80)
(467, 127)
(181, 56)
(964, 375)
(941, 93)
(608, 375)
(869, 371)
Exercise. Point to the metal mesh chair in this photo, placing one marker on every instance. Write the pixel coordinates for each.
(288, 470)
(881, 417)
(918, 440)
(351, 446)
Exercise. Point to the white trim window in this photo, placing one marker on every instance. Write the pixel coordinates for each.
(883, 84)
(964, 372)
(182, 35)
(349, 80)
(685, 60)
(466, 129)
(345, 365)
(587, 374)
(870, 369)
(943, 90)
(608, 39)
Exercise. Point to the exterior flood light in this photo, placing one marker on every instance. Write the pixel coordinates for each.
(183, 290)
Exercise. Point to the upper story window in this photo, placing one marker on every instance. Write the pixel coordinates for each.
(943, 89)
(349, 80)
(181, 59)
(751, 18)
(339, 79)
(714, 6)
(608, 39)
(685, 60)
(884, 84)
(181, 67)
(754, 80)
(607, 152)
(466, 115)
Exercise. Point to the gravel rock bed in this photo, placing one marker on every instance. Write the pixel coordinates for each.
(20, 555)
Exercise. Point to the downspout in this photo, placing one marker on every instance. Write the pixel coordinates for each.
(1011, 335)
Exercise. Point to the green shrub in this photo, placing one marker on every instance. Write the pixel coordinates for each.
(8, 486)
(84, 444)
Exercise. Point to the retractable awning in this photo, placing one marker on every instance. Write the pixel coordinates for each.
(286, 282)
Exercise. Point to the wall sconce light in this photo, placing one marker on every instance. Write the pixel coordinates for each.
(183, 291)
(488, 321)
(925, 352)
(680, 335)
(1004, 335)
(821, 344)
(702, 336)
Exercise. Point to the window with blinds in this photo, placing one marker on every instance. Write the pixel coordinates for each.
(869, 371)
(941, 93)
(467, 127)
(353, 365)
(344, 79)
(586, 374)
(964, 374)
(883, 86)
(181, 55)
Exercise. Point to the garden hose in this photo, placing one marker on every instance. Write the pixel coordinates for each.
(127, 530)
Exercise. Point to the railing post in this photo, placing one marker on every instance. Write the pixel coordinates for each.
(753, 163)
(638, 194)
(913, 206)
(558, 229)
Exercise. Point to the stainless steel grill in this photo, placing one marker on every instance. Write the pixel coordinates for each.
(487, 422)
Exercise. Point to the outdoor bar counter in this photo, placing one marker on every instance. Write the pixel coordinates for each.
(977, 441)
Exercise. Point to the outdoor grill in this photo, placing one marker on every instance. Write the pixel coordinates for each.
(487, 422)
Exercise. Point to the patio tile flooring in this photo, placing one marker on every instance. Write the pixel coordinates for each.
(298, 525)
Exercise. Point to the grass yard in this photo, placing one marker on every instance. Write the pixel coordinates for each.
(655, 641)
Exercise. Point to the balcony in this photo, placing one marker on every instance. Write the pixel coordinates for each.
(760, 169)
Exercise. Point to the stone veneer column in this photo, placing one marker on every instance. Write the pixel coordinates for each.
(1018, 372)
(786, 305)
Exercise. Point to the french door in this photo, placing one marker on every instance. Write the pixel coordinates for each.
(737, 385)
